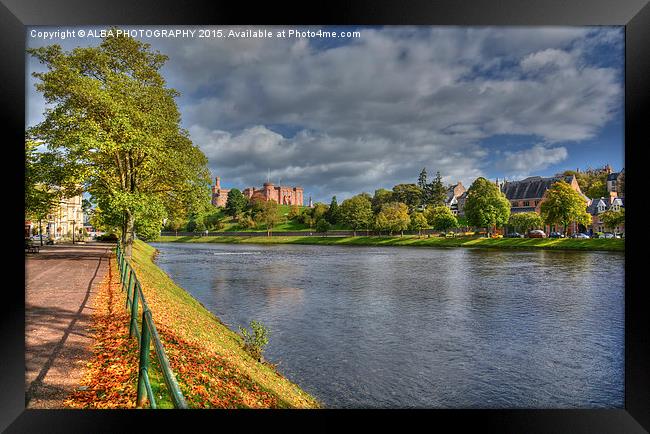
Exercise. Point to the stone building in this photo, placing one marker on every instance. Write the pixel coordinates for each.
(613, 183)
(284, 195)
(528, 194)
(64, 218)
(599, 206)
(454, 192)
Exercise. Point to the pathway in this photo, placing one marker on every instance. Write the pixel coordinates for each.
(60, 285)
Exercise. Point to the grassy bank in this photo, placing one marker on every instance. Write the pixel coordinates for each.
(603, 244)
(207, 357)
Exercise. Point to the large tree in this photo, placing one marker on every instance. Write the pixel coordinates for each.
(356, 213)
(266, 212)
(436, 193)
(333, 214)
(612, 218)
(236, 203)
(396, 217)
(486, 206)
(409, 194)
(418, 222)
(441, 218)
(563, 205)
(115, 126)
(381, 197)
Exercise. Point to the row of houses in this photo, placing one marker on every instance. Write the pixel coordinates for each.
(527, 195)
(65, 217)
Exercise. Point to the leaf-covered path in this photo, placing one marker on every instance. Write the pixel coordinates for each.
(60, 286)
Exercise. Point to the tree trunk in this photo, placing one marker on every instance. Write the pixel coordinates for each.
(127, 234)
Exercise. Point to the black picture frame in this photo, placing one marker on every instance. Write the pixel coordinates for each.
(633, 14)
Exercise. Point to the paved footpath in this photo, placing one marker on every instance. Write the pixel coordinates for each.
(60, 286)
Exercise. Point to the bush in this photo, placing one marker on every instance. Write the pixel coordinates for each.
(323, 225)
(254, 343)
(107, 237)
(246, 222)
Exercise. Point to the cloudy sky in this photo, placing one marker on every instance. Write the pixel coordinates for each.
(342, 116)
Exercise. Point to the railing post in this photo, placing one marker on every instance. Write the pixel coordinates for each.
(130, 276)
(145, 340)
(134, 311)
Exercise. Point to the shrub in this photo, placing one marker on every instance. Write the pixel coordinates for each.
(107, 237)
(254, 343)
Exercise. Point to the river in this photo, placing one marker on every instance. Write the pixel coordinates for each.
(404, 327)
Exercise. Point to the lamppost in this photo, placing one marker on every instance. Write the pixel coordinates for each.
(73, 223)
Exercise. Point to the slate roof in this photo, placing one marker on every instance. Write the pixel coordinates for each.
(613, 176)
(530, 188)
(593, 206)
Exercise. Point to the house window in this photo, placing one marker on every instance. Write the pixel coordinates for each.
(526, 203)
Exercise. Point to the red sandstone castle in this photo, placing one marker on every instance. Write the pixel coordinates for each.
(283, 195)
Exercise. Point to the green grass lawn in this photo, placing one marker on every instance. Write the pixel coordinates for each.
(413, 240)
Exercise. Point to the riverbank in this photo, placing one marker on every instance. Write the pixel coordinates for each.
(212, 369)
(600, 244)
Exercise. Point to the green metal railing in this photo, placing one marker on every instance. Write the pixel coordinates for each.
(145, 335)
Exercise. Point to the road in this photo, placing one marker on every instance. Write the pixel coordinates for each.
(60, 284)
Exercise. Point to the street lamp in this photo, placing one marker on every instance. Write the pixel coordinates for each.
(73, 223)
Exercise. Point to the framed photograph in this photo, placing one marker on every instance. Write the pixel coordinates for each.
(366, 211)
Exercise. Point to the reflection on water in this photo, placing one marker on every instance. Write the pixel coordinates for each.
(372, 327)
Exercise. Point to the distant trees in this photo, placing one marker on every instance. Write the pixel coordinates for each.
(486, 206)
(333, 214)
(592, 182)
(356, 213)
(526, 221)
(611, 219)
(436, 193)
(381, 197)
(563, 205)
(236, 203)
(408, 194)
(265, 213)
(418, 222)
(393, 217)
(441, 218)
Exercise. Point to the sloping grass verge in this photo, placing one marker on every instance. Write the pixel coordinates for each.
(599, 244)
(207, 357)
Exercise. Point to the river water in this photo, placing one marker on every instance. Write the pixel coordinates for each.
(396, 327)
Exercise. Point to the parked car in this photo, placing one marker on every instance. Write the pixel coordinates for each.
(537, 233)
(607, 235)
(514, 235)
(38, 237)
(580, 235)
(556, 235)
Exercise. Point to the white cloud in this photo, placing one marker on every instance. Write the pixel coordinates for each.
(528, 161)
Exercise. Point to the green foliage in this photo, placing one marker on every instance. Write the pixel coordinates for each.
(592, 182)
(247, 222)
(236, 202)
(526, 221)
(356, 212)
(114, 128)
(256, 340)
(418, 222)
(265, 212)
(323, 225)
(486, 206)
(612, 219)
(441, 218)
(436, 193)
(318, 211)
(294, 212)
(381, 197)
(409, 194)
(333, 214)
(422, 179)
(393, 217)
(564, 205)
